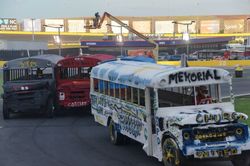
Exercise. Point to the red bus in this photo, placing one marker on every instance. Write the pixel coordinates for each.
(72, 79)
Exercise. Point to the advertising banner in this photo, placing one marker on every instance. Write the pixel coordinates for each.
(27, 25)
(54, 23)
(116, 27)
(8, 24)
(233, 26)
(142, 26)
(76, 26)
(210, 26)
(164, 27)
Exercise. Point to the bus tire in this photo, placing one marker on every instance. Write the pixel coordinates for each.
(50, 109)
(241, 160)
(116, 138)
(6, 112)
(171, 155)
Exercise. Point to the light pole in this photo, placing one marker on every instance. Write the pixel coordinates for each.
(185, 35)
(32, 26)
(58, 40)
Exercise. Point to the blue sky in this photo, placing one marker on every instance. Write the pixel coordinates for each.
(77, 8)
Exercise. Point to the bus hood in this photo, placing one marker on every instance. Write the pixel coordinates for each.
(201, 114)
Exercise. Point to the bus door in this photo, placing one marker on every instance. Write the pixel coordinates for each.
(151, 107)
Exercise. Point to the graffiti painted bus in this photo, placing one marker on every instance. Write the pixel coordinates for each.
(29, 85)
(177, 113)
(72, 79)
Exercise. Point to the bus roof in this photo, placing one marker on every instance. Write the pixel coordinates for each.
(142, 74)
(45, 60)
(87, 60)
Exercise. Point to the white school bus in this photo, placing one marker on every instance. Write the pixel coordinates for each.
(161, 107)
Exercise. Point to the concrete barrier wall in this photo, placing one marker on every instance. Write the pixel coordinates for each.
(212, 63)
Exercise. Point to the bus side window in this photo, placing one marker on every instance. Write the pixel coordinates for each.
(117, 90)
(106, 88)
(96, 87)
(135, 95)
(122, 91)
(101, 86)
(128, 94)
(141, 97)
(112, 88)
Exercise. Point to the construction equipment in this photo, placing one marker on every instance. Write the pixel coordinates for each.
(97, 23)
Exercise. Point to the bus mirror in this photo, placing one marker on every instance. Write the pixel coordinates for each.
(227, 77)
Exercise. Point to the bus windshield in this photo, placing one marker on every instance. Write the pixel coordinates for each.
(28, 74)
(184, 96)
(74, 72)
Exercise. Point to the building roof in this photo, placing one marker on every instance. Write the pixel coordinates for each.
(143, 74)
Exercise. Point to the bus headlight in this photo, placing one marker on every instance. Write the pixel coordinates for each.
(239, 131)
(186, 136)
(61, 95)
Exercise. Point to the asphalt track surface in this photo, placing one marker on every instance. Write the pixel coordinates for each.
(74, 139)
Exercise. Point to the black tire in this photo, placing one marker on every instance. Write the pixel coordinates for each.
(6, 112)
(171, 155)
(50, 109)
(242, 160)
(116, 138)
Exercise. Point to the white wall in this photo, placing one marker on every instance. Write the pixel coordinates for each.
(76, 8)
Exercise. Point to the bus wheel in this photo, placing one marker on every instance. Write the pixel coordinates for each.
(115, 137)
(6, 112)
(50, 109)
(242, 160)
(171, 154)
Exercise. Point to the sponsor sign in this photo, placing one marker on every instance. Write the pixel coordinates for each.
(233, 26)
(8, 24)
(164, 27)
(76, 26)
(117, 29)
(210, 26)
(54, 23)
(27, 25)
(142, 26)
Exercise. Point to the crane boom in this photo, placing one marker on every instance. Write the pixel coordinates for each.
(98, 24)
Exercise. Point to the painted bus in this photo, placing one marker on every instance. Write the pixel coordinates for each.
(177, 113)
(72, 79)
(29, 85)
(223, 54)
